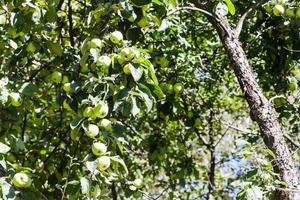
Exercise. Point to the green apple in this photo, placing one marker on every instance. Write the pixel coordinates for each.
(143, 22)
(162, 61)
(127, 53)
(120, 59)
(96, 43)
(67, 88)
(21, 180)
(298, 12)
(15, 99)
(104, 61)
(289, 13)
(167, 88)
(126, 69)
(56, 77)
(88, 112)
(105, 124)
(65, 79)
(103, 163)
(101, 110)
(278, 10)
(92, 130)
(31, 47)
(138, 183)
(98, 148)
(178, 87)
(116, 37)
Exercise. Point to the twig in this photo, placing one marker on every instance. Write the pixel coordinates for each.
(190, 8)
(240, 23)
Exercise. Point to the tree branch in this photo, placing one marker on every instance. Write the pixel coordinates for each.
(185, 8)
(70, 23)
(240, 24)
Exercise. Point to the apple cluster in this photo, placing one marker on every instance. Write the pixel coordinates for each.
(282, 8)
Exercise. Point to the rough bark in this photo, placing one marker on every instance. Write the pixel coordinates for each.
(261, 110)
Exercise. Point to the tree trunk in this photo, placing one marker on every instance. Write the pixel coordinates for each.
(261, 111)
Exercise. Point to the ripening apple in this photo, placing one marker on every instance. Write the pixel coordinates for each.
(68, 88)
(162, 61)
(101, 110)
(31, 47)
(127, 53)
(116, 37)
(56, 77)
(99, 149)
(168, 88)
(104, 61)
(298, 12)
(138, 183)
(15, 99)
(96, 43)
(143, 22)
(289, 13)
(65, 79)
(103, 163)
(105, 124)
(92, 130)
(21, 180)
(126, 69)
(88, 112)
(178, 87)
(278, 10)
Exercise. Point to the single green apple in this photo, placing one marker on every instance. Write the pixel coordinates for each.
(92, 130)
(138, 183)
(68, 88)
(126, 69)
(178, 88)
(98, 148)
(103, 163)
(278, 10)
(15, 99)
(105, 124)
(21, 180)
(101, 110)
(116, 37)
(104, 61)
(96, 43)
(88, 112)
(56, 77)
(127, 53)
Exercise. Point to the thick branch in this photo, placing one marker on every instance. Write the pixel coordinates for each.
(185, 8)
(240, 24)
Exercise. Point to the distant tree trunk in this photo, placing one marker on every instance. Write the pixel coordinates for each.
(261, 110)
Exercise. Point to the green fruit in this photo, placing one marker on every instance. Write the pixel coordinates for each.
(65, 79)
(168, 89)
(126, 69)
(162, 61)
(127, 54)
(56, 77)
(103, 163)
(68, 88)
(278, 10)
(104, 61)
(92, 130)
(116, 37)
(138, 183)
(98, 148)
(96, 43)
(289, 13)
(15, 99)
(88, 112)
(31, 47)
(298, 13)
(178, 88)
(143, 22)
(101, 110)
(21, 180)
(105, 124)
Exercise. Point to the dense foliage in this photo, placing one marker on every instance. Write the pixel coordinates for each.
(136, 99)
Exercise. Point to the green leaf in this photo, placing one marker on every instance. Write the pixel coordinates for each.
(136, 72)
(140, 3)
(134, 109)
(230, 7)
(85, 185)
(28, 89)
(76, 122)
(8, 191)
(4, 148)
(121, 162)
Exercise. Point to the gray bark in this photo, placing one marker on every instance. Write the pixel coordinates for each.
(261, 110)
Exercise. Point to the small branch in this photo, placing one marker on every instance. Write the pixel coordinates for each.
(59, 5)
(204, 141)
(114, 192)
(24, 125)
(185, 8)
(70, 23)
(240, 23)
(291, 50)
